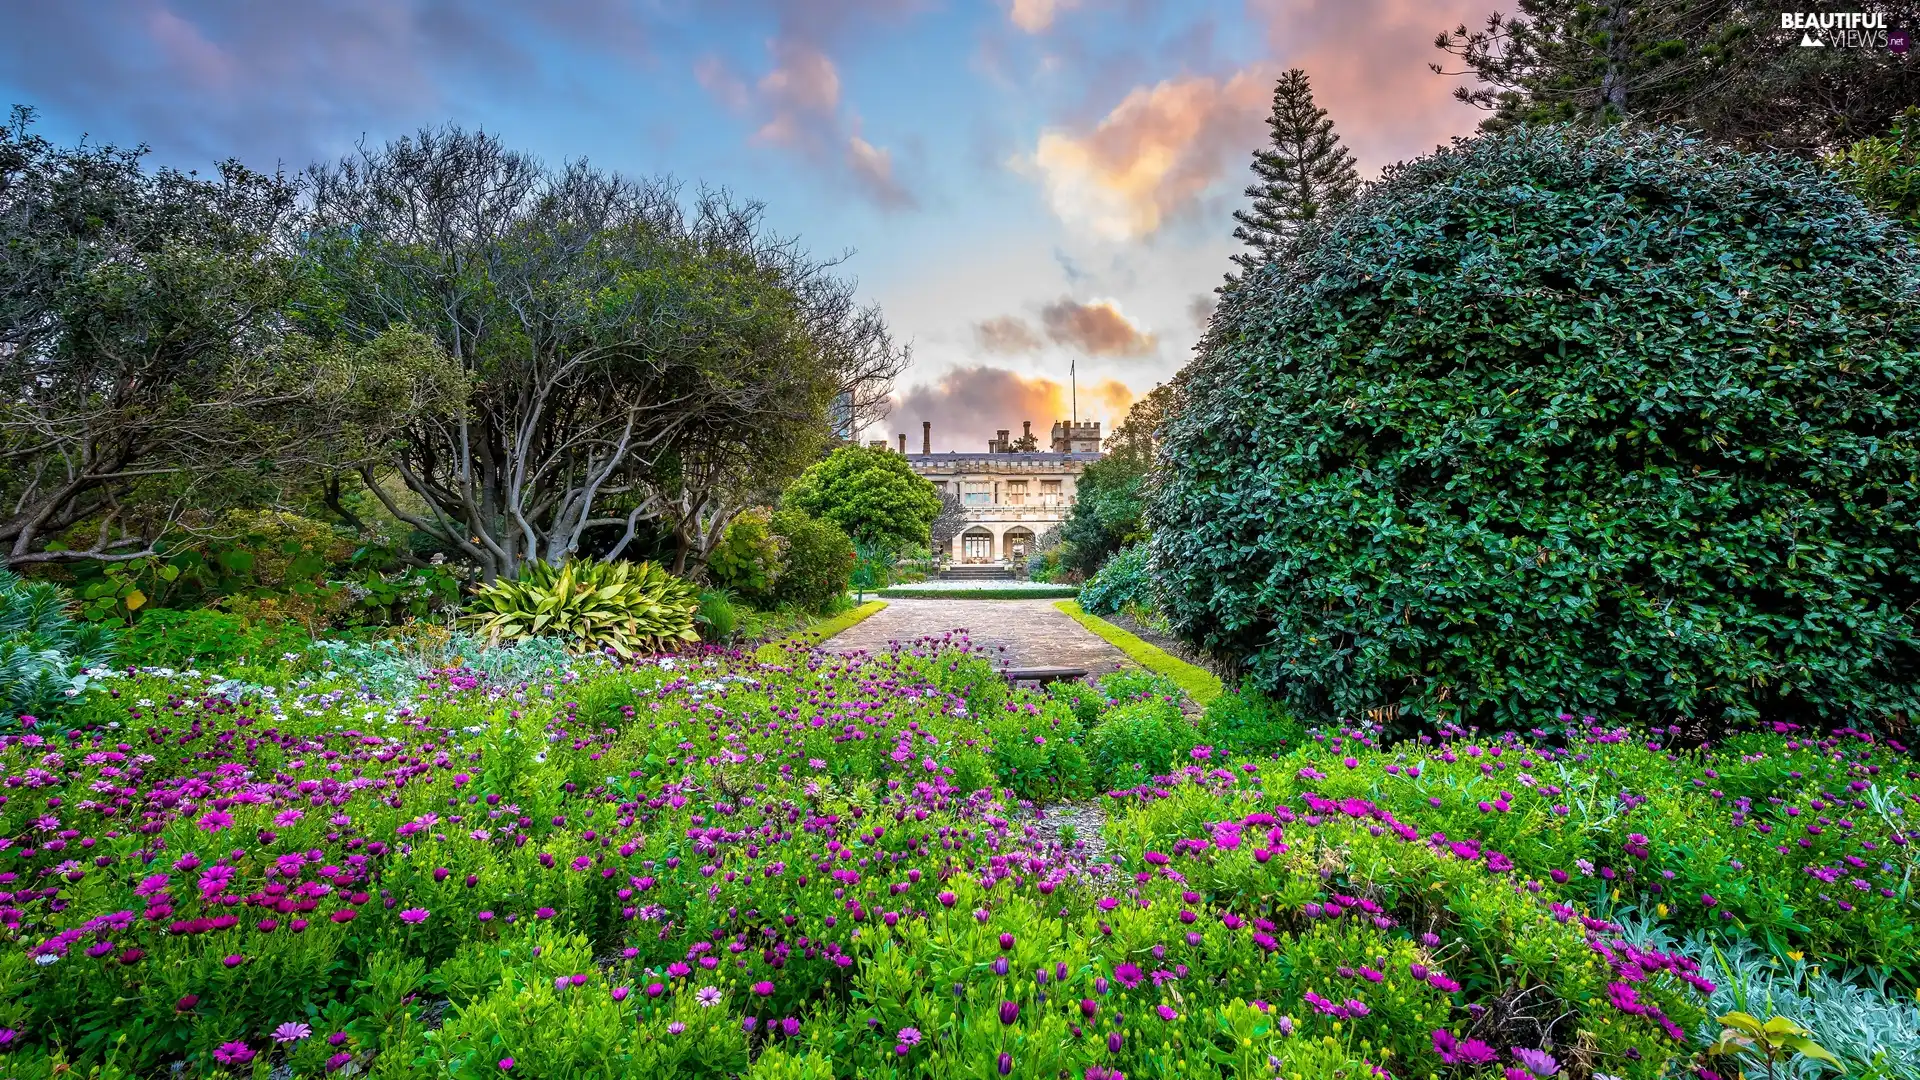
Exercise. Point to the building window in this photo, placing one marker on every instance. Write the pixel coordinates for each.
(977, 494)
(1049, 493)
(976, 547)
(1016, 493)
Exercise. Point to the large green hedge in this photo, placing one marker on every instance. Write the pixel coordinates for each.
(1622, 423)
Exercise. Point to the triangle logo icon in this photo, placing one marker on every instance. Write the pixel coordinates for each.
(1807, 40)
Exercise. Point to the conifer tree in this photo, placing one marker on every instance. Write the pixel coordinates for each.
(1303, 173)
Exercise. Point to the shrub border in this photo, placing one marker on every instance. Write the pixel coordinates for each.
(772, 652)
(1199, 684)
(1051, 592)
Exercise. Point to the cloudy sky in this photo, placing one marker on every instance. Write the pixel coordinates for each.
(1023, 183)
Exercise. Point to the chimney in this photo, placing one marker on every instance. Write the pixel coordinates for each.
(1026, 429)
(926, 436)
(1001, 443)
(903, 444)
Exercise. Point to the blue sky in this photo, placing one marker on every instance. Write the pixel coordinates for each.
(1023, 182)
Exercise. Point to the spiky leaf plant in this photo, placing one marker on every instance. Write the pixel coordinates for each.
(626, 607)
(44, 652)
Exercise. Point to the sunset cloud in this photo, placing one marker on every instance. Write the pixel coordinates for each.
(1098, 328)
(967, 405)
(1153, 156)
(872, 167)
(1035, 16)
(1006, 334)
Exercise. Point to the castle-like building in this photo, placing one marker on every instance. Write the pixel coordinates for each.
(1012, 492)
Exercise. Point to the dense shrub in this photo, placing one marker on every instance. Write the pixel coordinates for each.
(627, 608)
(819, 561)
(1139, 740)
(1605, 421)
(1124, 579)
(43, 651)
(1239, 724)
(167, 637)
(750, 557)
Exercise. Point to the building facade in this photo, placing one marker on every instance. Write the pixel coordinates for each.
(1008, 494)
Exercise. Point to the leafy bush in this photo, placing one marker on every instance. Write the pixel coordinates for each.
(1250, 724)
(870, 494)
(819, 561)
(1137, 741)
(625, 607)
(167, 637)
(43, 651)
(1885, 170)
(1124, 579)
(1612, 421)
(749, 557)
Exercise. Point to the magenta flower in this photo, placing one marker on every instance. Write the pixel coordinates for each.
(1009, 1012)
(506, 1064)
(763, 988)
(233, 1053)
(414, 915)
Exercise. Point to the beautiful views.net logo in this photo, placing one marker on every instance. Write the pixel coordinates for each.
(1846, 30)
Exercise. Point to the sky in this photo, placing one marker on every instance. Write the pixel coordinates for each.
(1022, 185)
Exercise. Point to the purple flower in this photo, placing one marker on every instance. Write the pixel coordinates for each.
(233, 1053)
(910, 1036)
(413, 915)
(1009, 1012)
(1167, 1013)
(506, 1064)
(1128, 975)
(1005, 1063)
(342, 1059)
(291, 1032)
(1538, 1062)
(763, 988)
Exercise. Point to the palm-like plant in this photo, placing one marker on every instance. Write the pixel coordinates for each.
(43, 651)
(625, 607)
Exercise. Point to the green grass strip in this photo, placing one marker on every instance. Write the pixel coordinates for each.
(908, 592)
(1198, 683)
(773, 652)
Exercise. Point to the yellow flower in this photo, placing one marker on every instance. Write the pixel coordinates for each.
(1662, 909)
(1796, 954)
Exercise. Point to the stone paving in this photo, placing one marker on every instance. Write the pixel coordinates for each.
(1024, 633)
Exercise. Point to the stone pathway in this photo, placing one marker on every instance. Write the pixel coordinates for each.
(1024, 633)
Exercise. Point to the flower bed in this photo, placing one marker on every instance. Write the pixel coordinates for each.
(718, 865)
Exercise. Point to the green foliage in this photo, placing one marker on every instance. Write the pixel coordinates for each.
(870, 494)
(1195, 682)
(167, 637)
(627, 608)
(750, 556)
(43, 651)
(1548, 421)
(1885, 169)
(1136, 741)
(820, 560)
(1247, 724)
(1125, 578)
(716, 617)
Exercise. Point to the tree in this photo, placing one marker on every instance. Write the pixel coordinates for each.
(950, 522)
(146, 360)
(1612, 421)
(628, 362)
(1109, 495)
(1724, 67)
(1885, 170)
(1304, 172)
(873, 495)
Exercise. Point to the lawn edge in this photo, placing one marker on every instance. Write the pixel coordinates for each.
(772, 651)
(1199, 684)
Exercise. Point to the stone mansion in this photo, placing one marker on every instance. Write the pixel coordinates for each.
(1010, 495)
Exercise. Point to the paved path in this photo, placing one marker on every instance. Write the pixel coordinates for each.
(1032, 633)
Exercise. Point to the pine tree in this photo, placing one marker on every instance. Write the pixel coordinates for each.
(1304, 173)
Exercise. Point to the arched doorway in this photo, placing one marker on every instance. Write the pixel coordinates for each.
(1018, 544)
(976, 546)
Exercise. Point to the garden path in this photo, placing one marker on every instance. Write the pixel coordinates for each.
(1023, 633)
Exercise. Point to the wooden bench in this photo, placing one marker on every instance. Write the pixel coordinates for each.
(1043, 675)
